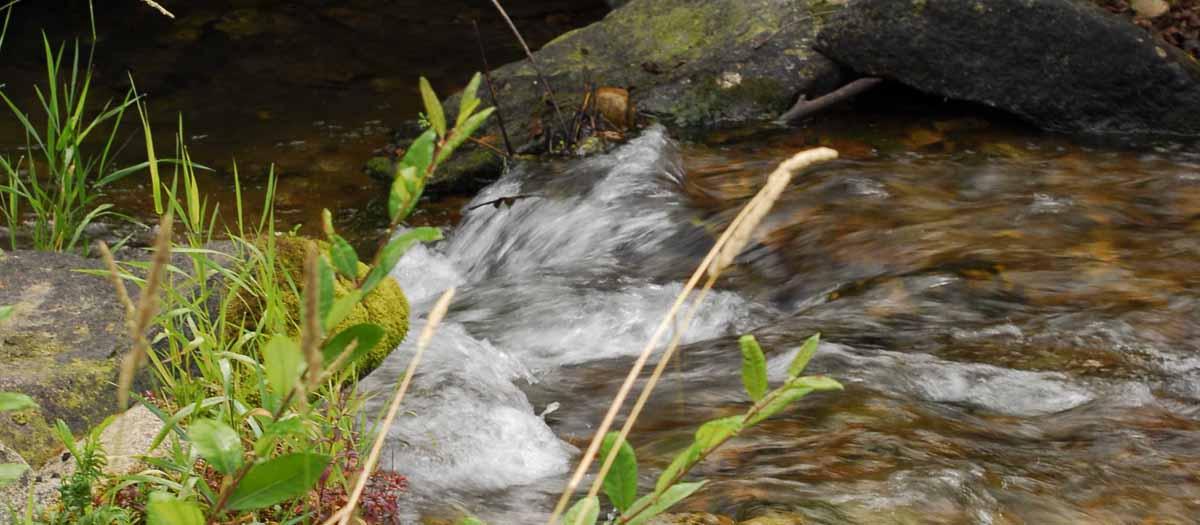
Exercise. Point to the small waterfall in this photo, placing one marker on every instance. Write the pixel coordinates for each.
(564, 274)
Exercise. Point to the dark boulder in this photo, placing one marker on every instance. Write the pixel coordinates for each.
(687, 62)
(1065, 65)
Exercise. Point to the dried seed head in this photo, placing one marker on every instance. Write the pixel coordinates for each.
(743, 229)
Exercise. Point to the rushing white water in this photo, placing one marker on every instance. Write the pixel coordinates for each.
(961, 372)
(551, 280)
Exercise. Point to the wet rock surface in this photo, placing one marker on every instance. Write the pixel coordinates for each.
(61, 347)
(1063, 65)
(687, 63)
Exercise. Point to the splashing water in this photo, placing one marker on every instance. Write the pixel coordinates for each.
(1018, 340)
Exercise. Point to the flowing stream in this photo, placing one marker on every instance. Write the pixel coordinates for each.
(1013, 316)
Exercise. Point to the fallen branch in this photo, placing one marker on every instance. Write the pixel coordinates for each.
(805, 107)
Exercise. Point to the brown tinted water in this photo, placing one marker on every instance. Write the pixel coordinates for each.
(1014, 314)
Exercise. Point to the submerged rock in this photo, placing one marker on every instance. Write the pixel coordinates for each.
(688, 62)
(1064, 65)
(62, 347)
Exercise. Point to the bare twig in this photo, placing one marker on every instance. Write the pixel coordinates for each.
(342, 516)
(804, 107)
(562, 124)
(160, 8)
(487, 77)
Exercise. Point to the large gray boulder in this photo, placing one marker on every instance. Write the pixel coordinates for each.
(688, 62)
(62, 347)
(1064, 65)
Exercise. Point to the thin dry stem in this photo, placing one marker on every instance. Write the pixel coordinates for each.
(342, 517)
(746, 220)
(147, 307)
(562, 124)
(762, 203)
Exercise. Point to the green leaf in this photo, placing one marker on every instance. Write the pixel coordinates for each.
(785, 396)
(469, 100)
(5, 312)
(218, 444)
(807, 350)
(419, 156)
(367, 335)
(277, 480)
(817, 383)
(621, 482)
(754, 368)
(344, 258)
(682, 462)
(12, 401)
(394, 250)
(462, 133)
(400, 197)
(433, 108)
(342, 307)
(470, 520)
(325, 283)
(164, 509)
(11, 472)
(659, 503)
(711, 434)
(584, 512)
(283, 362)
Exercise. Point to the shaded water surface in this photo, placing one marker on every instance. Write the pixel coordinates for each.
(1014, 317)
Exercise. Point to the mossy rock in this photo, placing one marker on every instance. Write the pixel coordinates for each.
(691, 63)
(62, 347)
(385, 306)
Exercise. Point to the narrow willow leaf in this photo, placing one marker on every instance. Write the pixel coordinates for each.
(817, 383)
(659, 503)
(5, 312)
(462, 133)
(366, 336)
(341, 308)
(344, 258)
(419, 155)
(11, 472)
(218, 444)
(394, 251)
(400, 197)
(621, 482)
(470, 520)
(433, 108)
(584, 512)
(325, 283)
(711, 434)
(11, 401)
(469, 101)
(682, 462)
(277, 480)
(284, 363)
(754, 368)
(327, 222)
(785, 396)
(804, 356)
(165, 509)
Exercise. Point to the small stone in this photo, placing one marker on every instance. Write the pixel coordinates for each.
(1150, 8)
